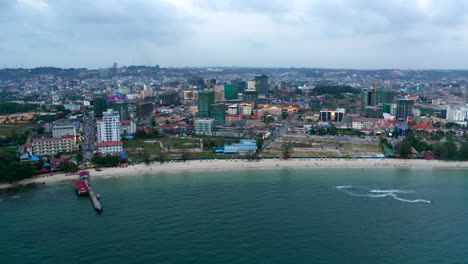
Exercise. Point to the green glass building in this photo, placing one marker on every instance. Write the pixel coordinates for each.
(385, 96)
(230, 92)
(121, 107)
(218, 111)
(205, 99)
(99, 105)
(261, 84)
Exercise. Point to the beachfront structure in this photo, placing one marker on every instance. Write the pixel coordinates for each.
(244, 147)
(204, 126)
(61, 128)
(108, 127)
(53, 146)
(110, 147)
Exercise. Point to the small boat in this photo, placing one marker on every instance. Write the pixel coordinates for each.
(98, 196)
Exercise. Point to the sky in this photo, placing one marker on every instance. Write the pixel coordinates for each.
(358, 34)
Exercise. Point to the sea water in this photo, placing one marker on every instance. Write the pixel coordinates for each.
(244, 216)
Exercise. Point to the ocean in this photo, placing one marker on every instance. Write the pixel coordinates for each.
(244, 216)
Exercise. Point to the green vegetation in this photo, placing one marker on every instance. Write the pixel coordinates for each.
(11, 169)
(335, 89)
(7, 108)
(69, 167)
(106, 161)
(8, 129)
(15, 139)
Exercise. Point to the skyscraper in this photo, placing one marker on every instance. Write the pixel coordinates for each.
(121, 107)
(99, 104)
(368, 97)
(218, 111)
(261, 85)
(404, 108)
(385, 96)
(250, 96)
(230, 92)
(205, 99)
(108, 128)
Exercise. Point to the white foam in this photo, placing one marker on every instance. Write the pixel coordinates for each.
(391, 191)
(344, 187)
(378, 193)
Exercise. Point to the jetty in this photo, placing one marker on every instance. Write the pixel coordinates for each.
(83, 187)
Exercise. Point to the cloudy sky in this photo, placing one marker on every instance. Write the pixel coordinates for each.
(367, 34)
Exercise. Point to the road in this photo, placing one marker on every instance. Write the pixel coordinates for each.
(89, 135)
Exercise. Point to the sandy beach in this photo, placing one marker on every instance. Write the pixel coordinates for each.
(219, 165)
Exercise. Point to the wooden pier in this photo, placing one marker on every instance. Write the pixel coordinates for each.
(83, 187)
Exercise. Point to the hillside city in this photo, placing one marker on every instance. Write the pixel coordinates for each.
(64, 120)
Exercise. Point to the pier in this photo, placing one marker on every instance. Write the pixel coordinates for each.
(84, 187)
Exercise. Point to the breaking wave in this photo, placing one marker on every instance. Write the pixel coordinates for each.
(378, 193)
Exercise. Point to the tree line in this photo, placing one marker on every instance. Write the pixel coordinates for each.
(7, 108)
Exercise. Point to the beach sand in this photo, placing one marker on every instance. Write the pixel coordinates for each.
(218, 165)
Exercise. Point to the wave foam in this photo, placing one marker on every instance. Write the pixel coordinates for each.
(381, 193)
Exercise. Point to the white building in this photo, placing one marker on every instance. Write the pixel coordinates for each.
(108, 127)
(251, 85)
(128, 127)
(204, 126)
(455, 114)
(61, 128)
(110, 147)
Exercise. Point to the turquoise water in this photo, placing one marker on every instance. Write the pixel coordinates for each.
(248, 216)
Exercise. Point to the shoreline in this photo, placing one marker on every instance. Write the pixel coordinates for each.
(219, 165)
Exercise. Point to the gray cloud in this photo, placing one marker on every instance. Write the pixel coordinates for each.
(317, 33)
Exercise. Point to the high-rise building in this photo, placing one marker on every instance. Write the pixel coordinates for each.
(218, 111)
(121, 107)
(261, 85)
(250, 96)
(404, 108)
(239, 85)
(108, 127)
(368, 97)
(205, 99)
(230, 92)
(167, 98)
(385, 96)
(199, 82)
(99, 104)
(144, 109)
(212, 83)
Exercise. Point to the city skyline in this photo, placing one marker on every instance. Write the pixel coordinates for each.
(358, 34)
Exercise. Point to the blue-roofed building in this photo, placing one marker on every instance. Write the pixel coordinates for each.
(240, 148)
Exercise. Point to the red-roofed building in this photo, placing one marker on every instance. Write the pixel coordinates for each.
(81, 187)
(110, 147)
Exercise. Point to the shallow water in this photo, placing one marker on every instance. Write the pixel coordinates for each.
(244, 216)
